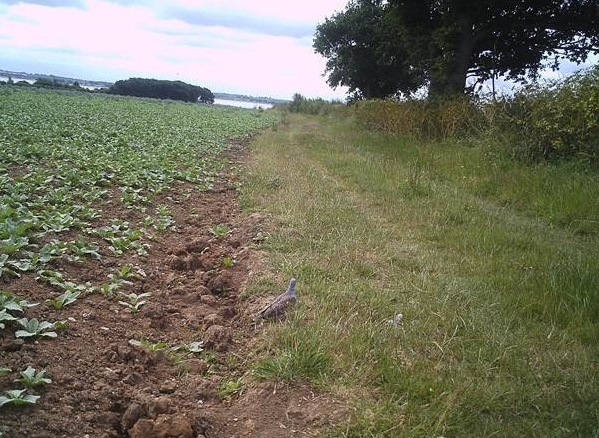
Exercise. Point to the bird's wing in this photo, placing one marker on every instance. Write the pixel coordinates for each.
(277, 307)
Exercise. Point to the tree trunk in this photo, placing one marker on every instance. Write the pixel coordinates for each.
(450, 78)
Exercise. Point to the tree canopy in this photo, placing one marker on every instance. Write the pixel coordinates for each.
(162, 89)
(383, 48)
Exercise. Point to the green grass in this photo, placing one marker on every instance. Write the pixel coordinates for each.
(487, 260)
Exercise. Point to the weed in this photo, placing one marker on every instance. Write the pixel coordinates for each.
(228, 262)
(229, 388)
(220, 230)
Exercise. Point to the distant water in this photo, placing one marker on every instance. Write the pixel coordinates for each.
(243, 104)
(5, 79)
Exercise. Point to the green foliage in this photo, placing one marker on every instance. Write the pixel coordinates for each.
(135, 301)
(387, 48)
(34, 328)
(5, 317)
(228, 262)
(482, 255)
(450, 118)
(18, 397)
(68, 297)
(556, 121)
(31, 378)
(540, 122)
(360, 44)
(10, 302)
(301, 104)
(162, 89)
(220, 230)
(229, 388)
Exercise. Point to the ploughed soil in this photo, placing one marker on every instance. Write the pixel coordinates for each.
(119, 374)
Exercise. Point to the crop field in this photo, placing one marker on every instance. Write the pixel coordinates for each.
(120, 258)
(444, 288)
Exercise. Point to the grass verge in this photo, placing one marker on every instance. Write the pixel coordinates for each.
(497, 282)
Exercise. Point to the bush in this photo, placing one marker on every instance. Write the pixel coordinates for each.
(300, 104)
(162, 89)
(451, 118)
(556, 121)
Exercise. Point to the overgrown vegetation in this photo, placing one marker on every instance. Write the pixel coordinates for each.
(301, 104)
(551, 121)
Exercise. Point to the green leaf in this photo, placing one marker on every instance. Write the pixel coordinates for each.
(18, 397)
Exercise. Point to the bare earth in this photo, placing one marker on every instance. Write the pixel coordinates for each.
(105, 386)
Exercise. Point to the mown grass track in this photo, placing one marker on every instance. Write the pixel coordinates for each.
(499, 300)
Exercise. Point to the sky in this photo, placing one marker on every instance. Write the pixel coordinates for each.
(252, 47)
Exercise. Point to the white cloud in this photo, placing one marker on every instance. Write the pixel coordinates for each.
(251, 47)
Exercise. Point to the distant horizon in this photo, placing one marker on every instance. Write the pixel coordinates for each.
(27, 75)
(245, 47)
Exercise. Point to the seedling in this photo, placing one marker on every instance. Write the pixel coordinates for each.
(6, 268)
(149, 346)
(4, 371)
(165, 218)
(5, 317)
(30, 378)
(17, 397)
(228, 262)
(194, 347)
(229, 388)
(220, 230)
(11, 303)
(57, 280)
(135, 301)
(34, 328)
(69, 297)
(81, 248)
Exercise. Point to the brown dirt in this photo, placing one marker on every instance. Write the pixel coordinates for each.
(104, 386)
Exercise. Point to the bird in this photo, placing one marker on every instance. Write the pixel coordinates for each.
(396, 321)
(278, 308)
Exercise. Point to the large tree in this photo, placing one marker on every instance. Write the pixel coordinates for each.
(442, 42)
(362, 54)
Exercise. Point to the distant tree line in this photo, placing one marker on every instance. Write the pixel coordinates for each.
(162, 89)
(46, 83)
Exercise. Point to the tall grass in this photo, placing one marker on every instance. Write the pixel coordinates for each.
(552, 121)
(499, 299)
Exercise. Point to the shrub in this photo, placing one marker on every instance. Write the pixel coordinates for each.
(558, 120)
(421, 119)
(301, 104)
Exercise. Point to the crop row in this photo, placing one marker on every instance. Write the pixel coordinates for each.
(71, 163)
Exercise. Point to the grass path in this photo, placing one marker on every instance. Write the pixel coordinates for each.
(500, 305)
